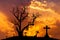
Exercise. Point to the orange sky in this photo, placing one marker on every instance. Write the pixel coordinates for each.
(50, 15)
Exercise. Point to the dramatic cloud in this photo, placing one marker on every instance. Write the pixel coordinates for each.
(49, 11)
(48, 16)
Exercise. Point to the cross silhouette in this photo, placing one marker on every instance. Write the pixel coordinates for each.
(46, 29)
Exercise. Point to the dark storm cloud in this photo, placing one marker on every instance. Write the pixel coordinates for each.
(54, 1)
(10, 1)
(4, 4)
(25, 2)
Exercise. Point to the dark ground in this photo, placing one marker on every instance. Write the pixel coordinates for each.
(30, 38)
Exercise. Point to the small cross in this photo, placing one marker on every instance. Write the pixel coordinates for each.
(46, 29)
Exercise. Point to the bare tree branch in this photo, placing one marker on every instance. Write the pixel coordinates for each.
(20, 16)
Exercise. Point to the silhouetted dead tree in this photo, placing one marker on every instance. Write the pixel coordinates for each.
(30, 23)
(20, 16)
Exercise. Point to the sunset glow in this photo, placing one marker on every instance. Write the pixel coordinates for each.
(6, 26)
(48, 17)
(15, 19)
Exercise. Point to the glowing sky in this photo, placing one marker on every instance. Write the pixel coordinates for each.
(48, 16)
(7, 28)
(51, 12)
